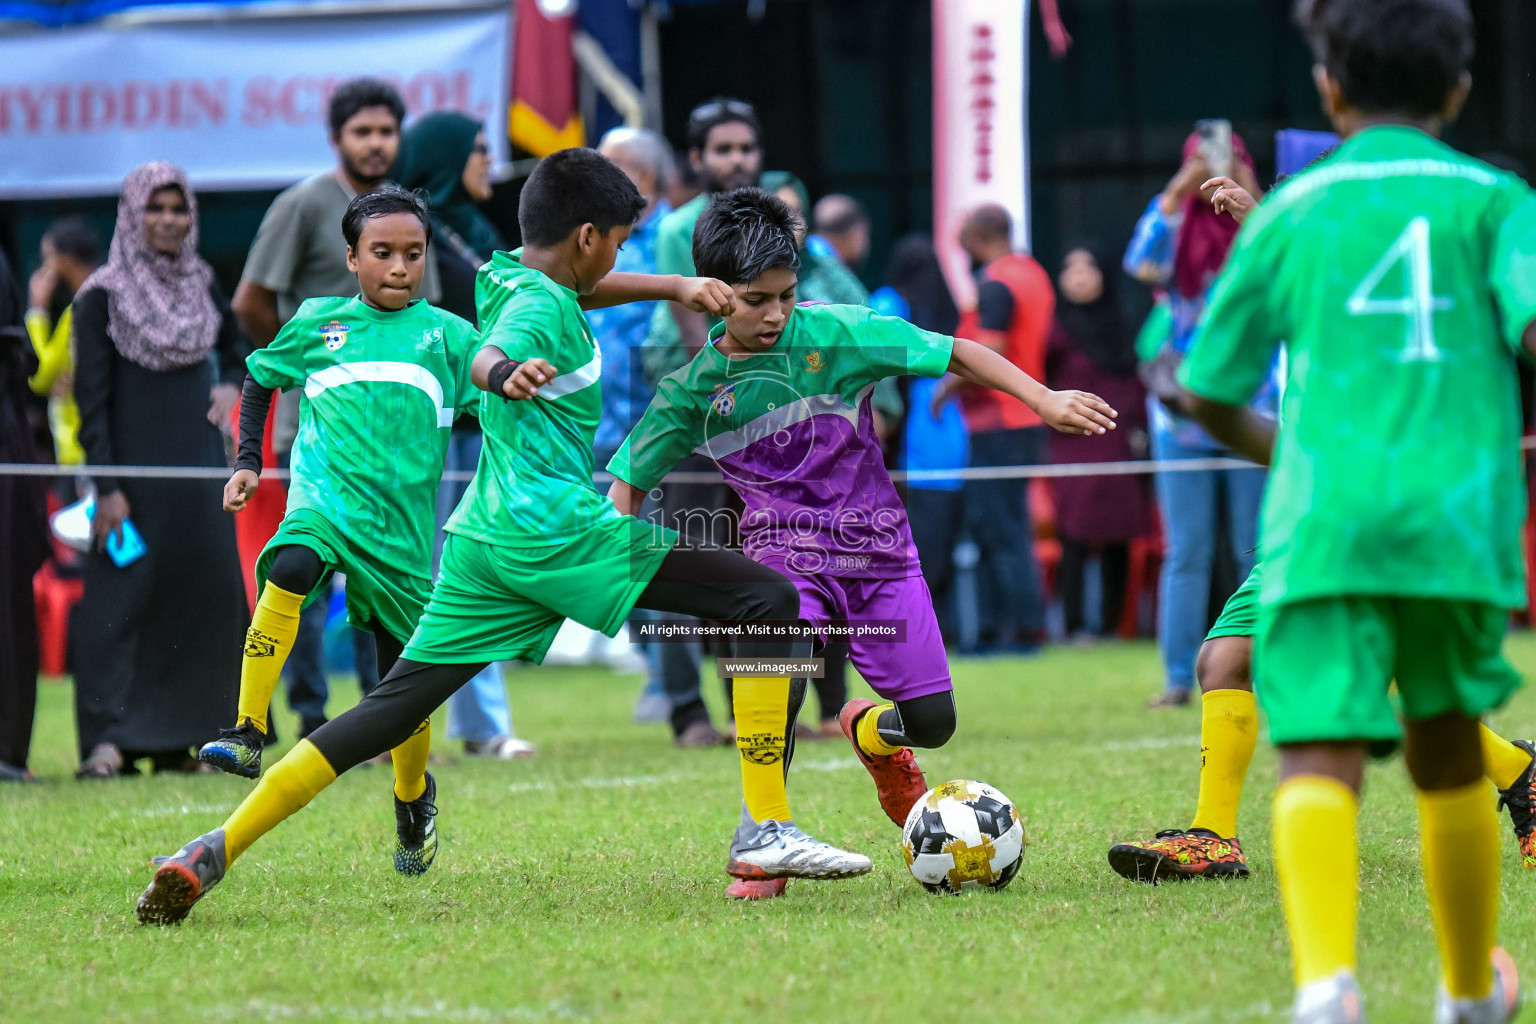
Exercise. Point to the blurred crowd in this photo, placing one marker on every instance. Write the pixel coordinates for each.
(131, 354)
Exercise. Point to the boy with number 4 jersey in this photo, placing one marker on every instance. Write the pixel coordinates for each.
(384, 376)
(779, 398)
(1402, 277)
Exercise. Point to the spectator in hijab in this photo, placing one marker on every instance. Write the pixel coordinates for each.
(934, 435)
(840, 227)
(1179, 245)
(70, 251)
(23, 539)
(445, 154)
(156, 642)
(1092, 347)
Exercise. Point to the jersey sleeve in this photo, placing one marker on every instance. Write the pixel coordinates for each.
(895, 348)
(664, 436)
(279, 245)
(463, 343)
(528, 327)
(281, 364)
(1234, 344)
(1513, 269)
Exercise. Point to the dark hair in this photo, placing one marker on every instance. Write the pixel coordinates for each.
(743, 233)
(706, 117)
(1391, 56)
(360, 94)
(574, 187)
(74, 237)
(990, 221)
(381, 201)
(837, 213)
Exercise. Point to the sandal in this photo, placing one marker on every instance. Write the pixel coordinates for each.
(104, 762)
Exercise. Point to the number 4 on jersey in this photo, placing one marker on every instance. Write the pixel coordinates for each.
(1419, 303)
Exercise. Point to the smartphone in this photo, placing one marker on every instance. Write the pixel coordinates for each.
(129, 549)
(1216, 145)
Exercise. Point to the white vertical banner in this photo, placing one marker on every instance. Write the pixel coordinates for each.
(980, 123)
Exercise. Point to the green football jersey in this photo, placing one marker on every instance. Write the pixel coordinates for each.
(534, 482)
(1401, 275)
(793, 432)
(381, 391)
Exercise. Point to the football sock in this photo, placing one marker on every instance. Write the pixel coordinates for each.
(1319, 867)
(1503, 762)
(868, 732)
(410, 761)
(286, 788)
(267, 643)
(1459, 832)
(762, 727)
(1229, 730)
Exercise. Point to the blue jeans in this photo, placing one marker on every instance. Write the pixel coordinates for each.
(478, 711)
(1188, 505)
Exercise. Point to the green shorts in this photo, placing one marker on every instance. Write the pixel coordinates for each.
(377, 593)
(1240, 615)
(1327, 665)
(497, 603)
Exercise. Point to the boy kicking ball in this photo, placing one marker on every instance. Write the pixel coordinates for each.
(779, 398)
(1402, 276)
(532, 543)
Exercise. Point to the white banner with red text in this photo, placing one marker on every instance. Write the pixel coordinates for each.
(980, 123)
(238, 103)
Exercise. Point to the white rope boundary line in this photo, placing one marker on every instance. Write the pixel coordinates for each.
(1140, 467)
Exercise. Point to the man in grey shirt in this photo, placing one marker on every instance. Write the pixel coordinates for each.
(299, 254)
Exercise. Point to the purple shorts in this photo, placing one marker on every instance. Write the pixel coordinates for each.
(912, 667)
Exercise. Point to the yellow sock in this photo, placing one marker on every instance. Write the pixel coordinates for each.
(1229, 729)
(267, 643)
(1459, 831)
(762, 730)
(1503, 762)
(410, 761)
(1319, 867)
(286, 788)
(868, 732)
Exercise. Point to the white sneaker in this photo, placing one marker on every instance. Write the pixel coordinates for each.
(1498, 1007)
(1334, 1001)
(777, 849)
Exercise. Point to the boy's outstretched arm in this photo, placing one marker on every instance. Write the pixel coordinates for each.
(255, 401)
(1239, 427)
(626, 497)
(492, 371)
(700, 294)
(1071, 412)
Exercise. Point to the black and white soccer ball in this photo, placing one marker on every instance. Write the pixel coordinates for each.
(963, 835)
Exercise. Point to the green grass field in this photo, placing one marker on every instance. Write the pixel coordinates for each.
(587, 884)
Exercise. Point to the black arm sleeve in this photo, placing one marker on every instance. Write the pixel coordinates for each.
(232, 345)
(255, 401)
(994, 306)
(94, 359)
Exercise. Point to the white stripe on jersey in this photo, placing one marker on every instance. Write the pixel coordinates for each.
(570, 383)
(786, 415)
(411, 374)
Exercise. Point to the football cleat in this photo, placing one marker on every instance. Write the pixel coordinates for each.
(1498, 1007)
(1179, 854)
(182, 879)
(755, 889)
(899, 781)
(416, 831)
(236, 751)
(1336, 1000)
(777, 849)
(1521, 801)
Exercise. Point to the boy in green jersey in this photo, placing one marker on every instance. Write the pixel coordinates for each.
(532, 543)
(1402, 276)
(1209, 847)
(384, 376)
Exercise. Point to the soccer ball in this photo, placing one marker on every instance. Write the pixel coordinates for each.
(963, 835)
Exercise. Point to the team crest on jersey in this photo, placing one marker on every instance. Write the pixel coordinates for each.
(334, 334)
(723, 399)
(814, 363)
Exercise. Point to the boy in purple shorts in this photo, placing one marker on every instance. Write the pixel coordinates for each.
(779, 398)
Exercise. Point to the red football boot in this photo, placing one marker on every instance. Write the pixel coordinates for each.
(755, 888)
(898, 779)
